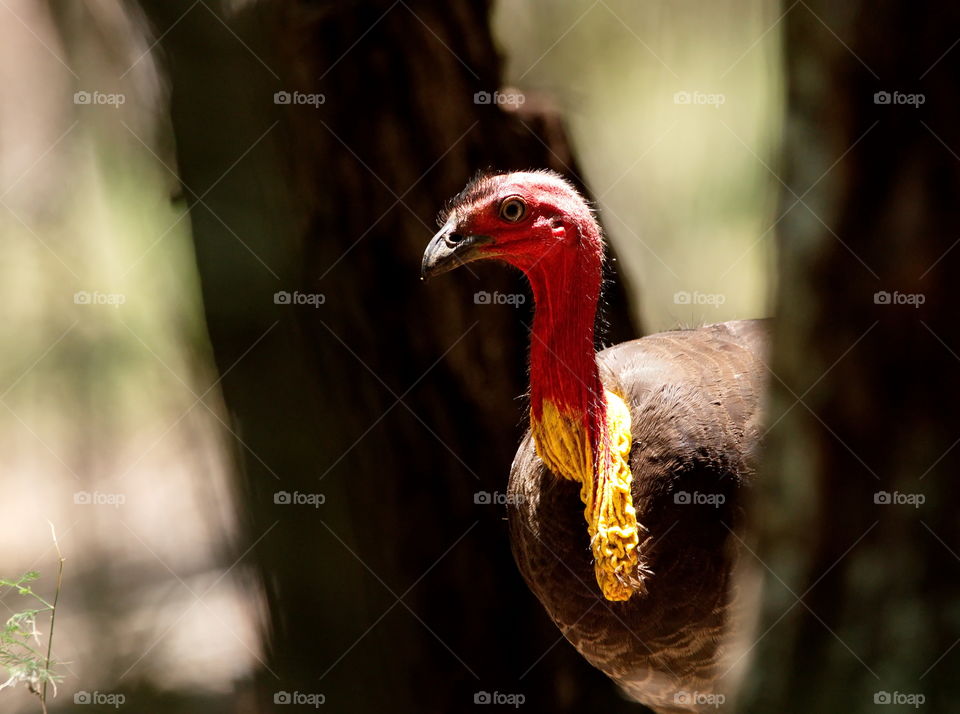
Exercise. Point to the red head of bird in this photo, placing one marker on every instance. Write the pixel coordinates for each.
(539, 223)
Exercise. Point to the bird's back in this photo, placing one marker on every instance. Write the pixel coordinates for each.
(695, 402)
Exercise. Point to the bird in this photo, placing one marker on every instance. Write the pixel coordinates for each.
(626, 496)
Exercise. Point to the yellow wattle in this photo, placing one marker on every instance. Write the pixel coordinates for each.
(563, 444)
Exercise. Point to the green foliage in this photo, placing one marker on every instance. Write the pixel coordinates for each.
(21, 646)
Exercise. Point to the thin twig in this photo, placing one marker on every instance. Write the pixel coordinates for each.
(53, 617)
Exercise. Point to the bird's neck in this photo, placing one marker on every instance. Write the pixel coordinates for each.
(563, 365)
(581, 431)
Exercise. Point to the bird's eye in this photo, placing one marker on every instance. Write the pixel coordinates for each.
(513, 209)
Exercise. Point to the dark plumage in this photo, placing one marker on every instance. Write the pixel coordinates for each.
(694, 396)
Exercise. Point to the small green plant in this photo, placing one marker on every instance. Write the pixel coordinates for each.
(20, 641)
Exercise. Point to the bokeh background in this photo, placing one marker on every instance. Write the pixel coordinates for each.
(160, 402)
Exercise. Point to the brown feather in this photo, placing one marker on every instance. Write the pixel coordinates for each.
(695, 401)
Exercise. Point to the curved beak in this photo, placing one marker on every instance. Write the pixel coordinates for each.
(448, 250)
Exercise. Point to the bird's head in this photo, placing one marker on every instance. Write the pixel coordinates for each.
(530, 219)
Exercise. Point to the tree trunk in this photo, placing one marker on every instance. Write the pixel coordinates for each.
(856, 515)
(396, 400)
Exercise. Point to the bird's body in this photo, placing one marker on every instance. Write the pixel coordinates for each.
(694, 396)
(626, 490)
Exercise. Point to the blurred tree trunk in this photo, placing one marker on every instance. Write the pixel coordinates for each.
(396, 400)
(878, 420)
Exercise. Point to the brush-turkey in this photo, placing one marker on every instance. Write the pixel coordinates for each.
(625, 494)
